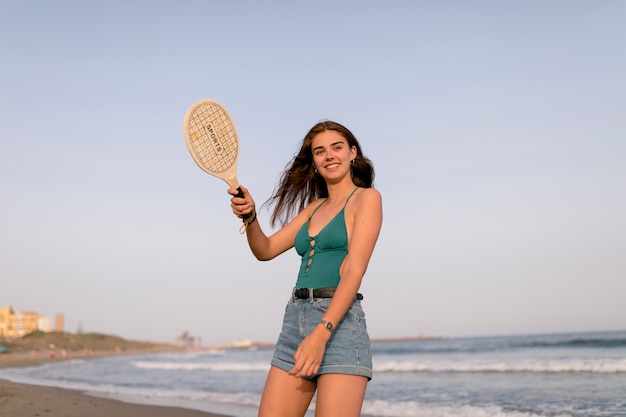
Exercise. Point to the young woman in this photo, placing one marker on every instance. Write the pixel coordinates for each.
(323, 344)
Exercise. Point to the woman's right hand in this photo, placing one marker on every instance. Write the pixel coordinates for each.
(239, 205)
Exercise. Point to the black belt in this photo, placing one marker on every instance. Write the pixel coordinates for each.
(319, 293)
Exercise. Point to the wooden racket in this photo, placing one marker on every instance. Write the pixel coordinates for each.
(211, 137)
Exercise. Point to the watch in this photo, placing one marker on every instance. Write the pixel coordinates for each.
(327, 324)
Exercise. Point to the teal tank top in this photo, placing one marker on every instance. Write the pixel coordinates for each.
(323, 254)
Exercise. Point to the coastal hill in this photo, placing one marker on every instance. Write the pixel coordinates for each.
(61, 341)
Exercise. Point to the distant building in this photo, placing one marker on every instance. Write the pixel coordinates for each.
(19, 323)
(59, 323)
(44, 324)
(241, 343)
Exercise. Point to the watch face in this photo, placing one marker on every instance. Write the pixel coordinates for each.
(327, 324)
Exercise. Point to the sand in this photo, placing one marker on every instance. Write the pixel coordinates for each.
(22, 400)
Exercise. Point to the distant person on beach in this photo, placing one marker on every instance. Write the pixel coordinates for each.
(330, 213)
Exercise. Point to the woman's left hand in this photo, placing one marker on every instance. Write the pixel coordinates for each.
(308, 356)
(241, 205)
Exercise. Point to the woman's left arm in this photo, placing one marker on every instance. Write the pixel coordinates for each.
(363, 234)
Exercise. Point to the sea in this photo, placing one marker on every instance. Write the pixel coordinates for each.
(545, 375)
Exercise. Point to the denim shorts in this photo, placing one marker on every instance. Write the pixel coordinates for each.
(348, 349)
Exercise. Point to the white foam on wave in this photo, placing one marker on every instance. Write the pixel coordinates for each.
(192, 354)
(603, 366)
(412, 408)
(202, 366)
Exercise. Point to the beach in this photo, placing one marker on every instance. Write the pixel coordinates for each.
(25, 400)
(22, 400)
(540, 375)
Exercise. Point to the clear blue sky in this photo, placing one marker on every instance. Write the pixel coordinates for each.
(497, 130)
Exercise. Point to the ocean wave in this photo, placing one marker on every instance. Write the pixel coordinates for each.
(202, 366)
(591, 366)
(193, 354)
(601, 341)
(577, 343)
(411, 408)
(547, 366)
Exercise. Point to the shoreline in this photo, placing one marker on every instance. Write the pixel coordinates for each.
(19, 399)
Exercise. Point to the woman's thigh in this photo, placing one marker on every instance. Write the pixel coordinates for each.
(285, 395)
(340, 395)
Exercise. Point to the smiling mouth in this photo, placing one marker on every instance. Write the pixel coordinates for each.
(331, 166)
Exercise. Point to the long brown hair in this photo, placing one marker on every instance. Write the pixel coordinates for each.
(300, 184)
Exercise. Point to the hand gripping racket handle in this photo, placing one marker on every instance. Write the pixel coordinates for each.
(247, 215)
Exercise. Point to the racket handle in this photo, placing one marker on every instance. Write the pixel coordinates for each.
(240, 195)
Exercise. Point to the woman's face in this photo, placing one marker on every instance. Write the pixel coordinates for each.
(332, 154)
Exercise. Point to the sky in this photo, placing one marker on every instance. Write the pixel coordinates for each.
(497, 130)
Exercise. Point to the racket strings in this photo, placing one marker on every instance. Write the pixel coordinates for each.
(203, 147)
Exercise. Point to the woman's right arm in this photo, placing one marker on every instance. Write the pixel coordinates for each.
(265, 247)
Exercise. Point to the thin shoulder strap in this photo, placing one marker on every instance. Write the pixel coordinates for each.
(320, 205)
(350, 196)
